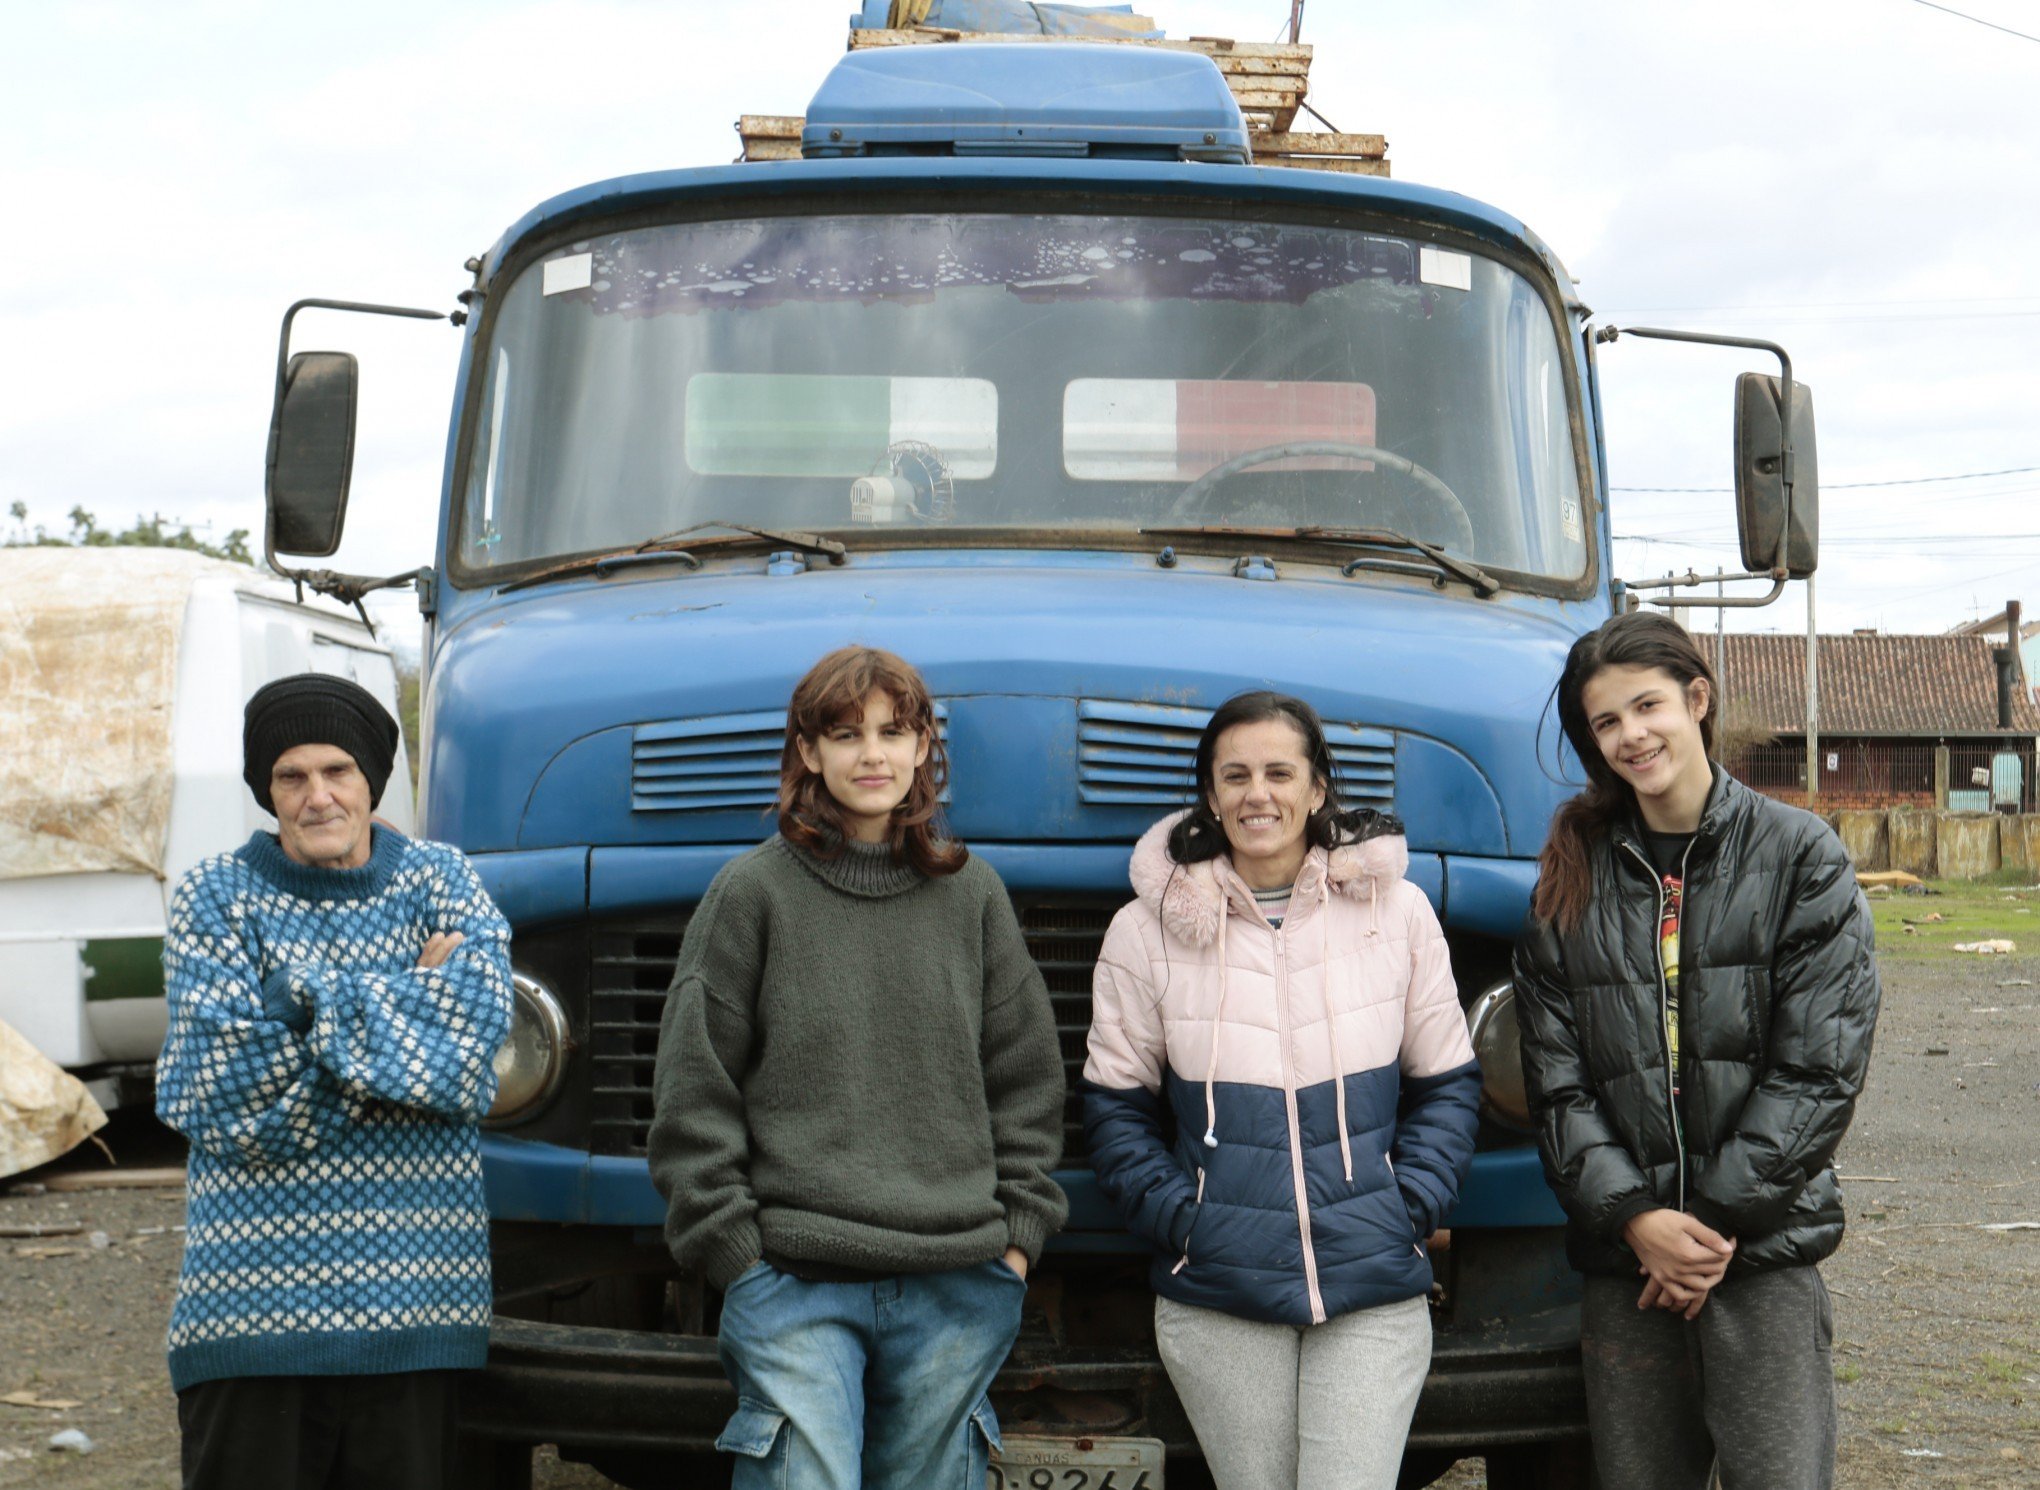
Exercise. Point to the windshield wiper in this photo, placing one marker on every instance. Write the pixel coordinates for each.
(807, 543)
(1484, 584)
(602, 564)
(668, 547)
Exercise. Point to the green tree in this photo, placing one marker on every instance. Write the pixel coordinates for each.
(146, 532)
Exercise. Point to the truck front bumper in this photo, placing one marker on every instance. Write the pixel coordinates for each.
(1493, 1387)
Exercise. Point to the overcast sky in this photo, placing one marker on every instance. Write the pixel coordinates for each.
(1859, 180)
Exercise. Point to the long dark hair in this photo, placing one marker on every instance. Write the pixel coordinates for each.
(1645, 639)
(835, 690)
(1201, 836)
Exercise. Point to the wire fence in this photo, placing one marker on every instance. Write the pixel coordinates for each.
(1894, 773)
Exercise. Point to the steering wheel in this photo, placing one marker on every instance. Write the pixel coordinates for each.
(1198, 492)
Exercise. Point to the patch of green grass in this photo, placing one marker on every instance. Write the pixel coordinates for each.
(1896, 1427)
(1848, 1373)
(2009, 879)
(1970, 911)
(2000, 1368)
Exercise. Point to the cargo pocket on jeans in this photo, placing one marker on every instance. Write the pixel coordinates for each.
(984, 1442)
(755, 1431)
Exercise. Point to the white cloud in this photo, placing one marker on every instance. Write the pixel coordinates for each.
(181, 173)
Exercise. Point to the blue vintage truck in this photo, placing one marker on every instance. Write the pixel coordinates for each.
(1027, 373)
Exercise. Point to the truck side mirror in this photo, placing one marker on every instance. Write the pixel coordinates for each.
(1760, 470)
(311, 453)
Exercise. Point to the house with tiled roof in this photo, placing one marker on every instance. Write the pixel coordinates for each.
(1887, 706)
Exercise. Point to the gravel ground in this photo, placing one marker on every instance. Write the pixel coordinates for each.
(1937, 1322)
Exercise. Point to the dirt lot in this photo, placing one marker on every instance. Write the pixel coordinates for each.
(1937, 1350)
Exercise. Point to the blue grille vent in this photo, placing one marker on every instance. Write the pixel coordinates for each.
(1366, 760)
(1146, 755)
(718, 764)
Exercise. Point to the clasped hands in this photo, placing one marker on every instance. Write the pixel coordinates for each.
(1682, 1259)
(438, 947)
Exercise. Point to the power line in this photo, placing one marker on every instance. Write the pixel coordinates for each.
(1973, 579)
(1789, 318)
(1871, 540)
(1850, 485)
(1961, 15)
(1637, 310)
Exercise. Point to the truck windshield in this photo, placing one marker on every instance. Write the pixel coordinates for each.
(1020, 379)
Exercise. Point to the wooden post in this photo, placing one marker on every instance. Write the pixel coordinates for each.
(1941, 778)
(1812, 707)
(1720, 637)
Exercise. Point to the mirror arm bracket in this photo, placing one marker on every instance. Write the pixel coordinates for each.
(348, 589)
(352, 589)
(1786, 464)
(1724, 602)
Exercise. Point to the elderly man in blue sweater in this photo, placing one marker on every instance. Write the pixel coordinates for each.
(337, 994)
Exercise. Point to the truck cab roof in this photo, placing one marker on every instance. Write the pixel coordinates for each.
(1064, 118)
(1065, 101)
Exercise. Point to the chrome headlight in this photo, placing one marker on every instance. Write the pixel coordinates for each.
(532, 1061)
(1497, 1045)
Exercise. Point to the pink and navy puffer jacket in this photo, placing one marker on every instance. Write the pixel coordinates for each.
(1322, 1089)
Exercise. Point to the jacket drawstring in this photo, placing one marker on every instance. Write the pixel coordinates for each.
(1332, 1018)
(1217, 1025)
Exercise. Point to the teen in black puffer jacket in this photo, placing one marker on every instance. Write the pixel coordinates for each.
(1778, 1001)
(1697, 995)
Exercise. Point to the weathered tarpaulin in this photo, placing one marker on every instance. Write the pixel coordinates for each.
(1024, 18)
(88, 688)
(44, 1111)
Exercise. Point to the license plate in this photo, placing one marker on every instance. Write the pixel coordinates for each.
(1038, 1462)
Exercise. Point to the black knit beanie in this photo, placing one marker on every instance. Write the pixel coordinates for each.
(316, 709)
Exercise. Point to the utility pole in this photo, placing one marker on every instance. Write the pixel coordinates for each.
(1720, 642)
(1812, 705)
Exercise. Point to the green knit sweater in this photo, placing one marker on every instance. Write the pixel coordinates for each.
(858, 1068)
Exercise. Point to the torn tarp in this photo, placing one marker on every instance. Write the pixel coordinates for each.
(88, 689)
(1020, 18)
(44, 1111)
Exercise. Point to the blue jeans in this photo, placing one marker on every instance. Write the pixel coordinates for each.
(873, 1385)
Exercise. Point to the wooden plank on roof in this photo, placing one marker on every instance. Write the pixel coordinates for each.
(1209, 44)
(755, 149)
(1351, 165)
(1284, 67)
(770, 126)
(1249, 94)
(1371, 147)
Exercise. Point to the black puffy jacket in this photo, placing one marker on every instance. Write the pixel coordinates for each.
(1778, 1001)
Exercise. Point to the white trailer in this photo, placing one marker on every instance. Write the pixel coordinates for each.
(123, 673)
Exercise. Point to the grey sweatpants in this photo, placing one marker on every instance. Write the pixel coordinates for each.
(1278, 1407)
(1750, 1381)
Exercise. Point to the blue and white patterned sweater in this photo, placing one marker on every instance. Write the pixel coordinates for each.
(331, 1090)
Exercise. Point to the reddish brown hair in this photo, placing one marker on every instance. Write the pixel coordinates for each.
(1647, 639)
(833, 691)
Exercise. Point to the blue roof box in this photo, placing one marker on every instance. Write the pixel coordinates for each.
(1007, 98)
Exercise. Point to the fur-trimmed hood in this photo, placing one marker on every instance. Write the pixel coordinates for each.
(1189, 898)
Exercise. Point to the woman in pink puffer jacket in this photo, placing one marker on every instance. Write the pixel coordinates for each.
(1281, 1100)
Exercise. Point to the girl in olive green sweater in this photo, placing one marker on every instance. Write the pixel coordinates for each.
(858, 1105)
